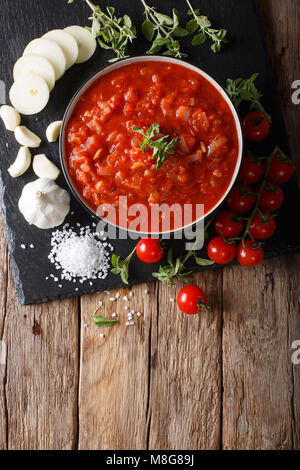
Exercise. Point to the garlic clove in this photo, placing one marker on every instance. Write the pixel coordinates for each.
(26, 138)
(44, 168)
(10, 116)
(21, 164)
(53, 130)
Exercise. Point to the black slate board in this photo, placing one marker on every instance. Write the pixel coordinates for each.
(244, 56)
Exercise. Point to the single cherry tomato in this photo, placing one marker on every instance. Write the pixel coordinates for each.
(262, 226)
(241, 198)
(149, 250)
(271, 197)
(228, 224)
(219, 251)
(249, 253)
(256, 126)
(281, 170)
(191, 300)
(251, 170)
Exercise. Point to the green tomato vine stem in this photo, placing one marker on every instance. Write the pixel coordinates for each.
(259, 193)
(149, 12)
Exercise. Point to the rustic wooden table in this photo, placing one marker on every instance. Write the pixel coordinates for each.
(220, 380)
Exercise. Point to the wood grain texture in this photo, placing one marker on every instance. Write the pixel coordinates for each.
(185, 392)
(158, 384)
(258, 408)
(281, 24)
(3, 362)
(114, 379)
(261, 402)
(42, 370)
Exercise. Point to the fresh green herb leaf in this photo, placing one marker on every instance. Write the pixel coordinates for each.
(161, 29)
(161, 147)
(203, 25)
(177, 270)
(121, 266)
(103, 321)
(111, 32)
(245, 90)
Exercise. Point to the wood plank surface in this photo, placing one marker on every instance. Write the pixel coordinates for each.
(258, 399)
(114, 378)
(158, 384)
(42, 370)
(3, 361)
(261, 401)
(185, 385)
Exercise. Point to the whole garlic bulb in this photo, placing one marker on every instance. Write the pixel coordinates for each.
(44, 204)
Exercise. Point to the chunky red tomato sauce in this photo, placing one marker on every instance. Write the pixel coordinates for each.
(104, 156)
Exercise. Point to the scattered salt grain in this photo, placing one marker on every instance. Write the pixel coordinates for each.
(31, 246)
(130, 294)
(81, 257)
(113, 314)
(107, 292)
(138, 314)
(100, 303)
(23, 247)
(112, 299)
(125, 298)
(102, 335)
(85, 325)
(126, 308)
(172, 300)
(146, 291)
(117, 295)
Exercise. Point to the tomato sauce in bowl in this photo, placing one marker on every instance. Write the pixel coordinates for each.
(103, 155)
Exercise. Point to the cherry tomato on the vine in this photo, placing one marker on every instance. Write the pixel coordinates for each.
(281, 170)
(262, 226)
(219, 251)
(256, 126)
(249, 253)
(271, 197)
(149, 250)
(228, 224)
(251, 170)
(191, 300)
(241, 198)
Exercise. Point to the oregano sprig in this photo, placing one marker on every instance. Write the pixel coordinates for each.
(121, 266)
(202, 25)
(162, 147)
(111, 32)
(176, 269)
(161, 30)
(245, 90)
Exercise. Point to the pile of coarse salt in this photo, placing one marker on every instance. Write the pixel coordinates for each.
(80, 256)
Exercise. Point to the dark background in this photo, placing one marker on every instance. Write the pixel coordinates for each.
(244, 56)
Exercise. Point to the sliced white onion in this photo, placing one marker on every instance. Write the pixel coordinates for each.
(68, 44)
(44, 168)
(29, 94)
(86, 42)
(36, 64)
(52, 51)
